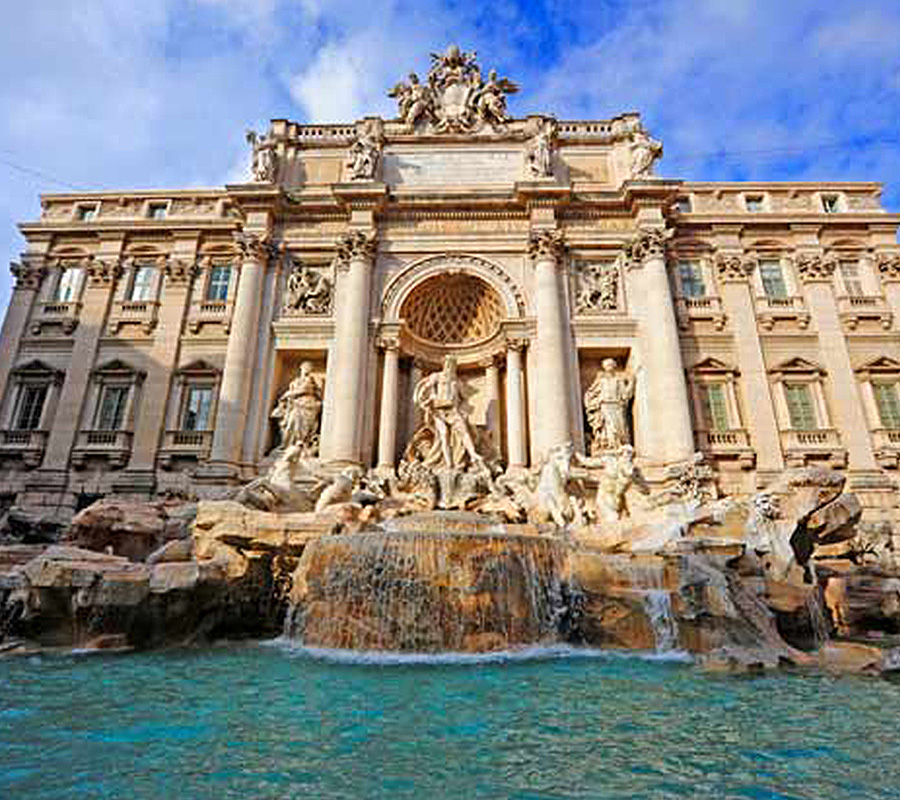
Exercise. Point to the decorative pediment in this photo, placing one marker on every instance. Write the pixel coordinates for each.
(882, 365)
(798, 366)
(118, 369)
(37, 370)
(199, 367)
(713, 366)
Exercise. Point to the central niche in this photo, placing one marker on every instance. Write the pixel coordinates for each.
(453, 310)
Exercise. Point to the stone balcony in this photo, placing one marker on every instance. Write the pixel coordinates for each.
(28, 446)
(114, 446)
(143, 313)
(210, 312)
(691, 309)
(856, 309)
(771, 310)
(887, 447)
(803, 447)
(728, 445)
(63, 314)
(193, 445)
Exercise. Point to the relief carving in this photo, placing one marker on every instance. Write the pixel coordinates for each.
(309, 291)
(597, 288)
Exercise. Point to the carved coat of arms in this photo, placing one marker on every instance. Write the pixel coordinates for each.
(456, 96)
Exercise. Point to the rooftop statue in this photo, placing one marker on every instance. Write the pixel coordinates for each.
(456, 97)
(264, 165)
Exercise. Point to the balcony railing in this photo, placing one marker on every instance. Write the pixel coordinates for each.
(729, 444)
(209, 311)
(887, 447)
(115, 446)
(56, 312)
(700, 308)
(27, 445)
(134, 312)
(770, 310)
(853, 309)
(185, 444)
(801, 446)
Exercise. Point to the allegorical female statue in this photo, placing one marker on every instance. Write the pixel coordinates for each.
(298, 412)
(606, 404)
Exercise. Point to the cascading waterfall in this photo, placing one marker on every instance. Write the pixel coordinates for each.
(658, 604)
(429, 591)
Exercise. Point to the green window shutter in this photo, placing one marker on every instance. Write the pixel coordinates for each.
(715, 408)
(800, 406)
(888, 405)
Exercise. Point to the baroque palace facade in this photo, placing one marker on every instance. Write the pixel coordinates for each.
(154, 340)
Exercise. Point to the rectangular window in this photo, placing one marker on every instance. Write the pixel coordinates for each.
(219, 278)
(142, 285)
(31, 406)
(157, 210)
(69, 284)
(772, 279)
(112, 408)
(754, 203)
(800, 406)
(851, 279)
(197, 409)
(830, 203)
(86, 213)
(691, 279)
(715, 407)
(683, 204)
(888, 405)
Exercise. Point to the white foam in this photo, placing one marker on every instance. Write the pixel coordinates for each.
(532, 653)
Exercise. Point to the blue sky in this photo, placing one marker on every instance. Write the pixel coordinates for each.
(111, 94)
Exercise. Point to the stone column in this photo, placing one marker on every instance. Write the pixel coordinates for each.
(346, 392)
(101, 273)
(553, 424)
(237, 377)
(817, 275)
(28, 275)
(515, 407)
(387, 425)
(178, 270)
(492, 408)
(734, 272)
(664, 389)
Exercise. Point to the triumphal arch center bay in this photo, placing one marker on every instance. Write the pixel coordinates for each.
(451, 298)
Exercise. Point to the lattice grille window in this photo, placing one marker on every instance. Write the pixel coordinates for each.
(453, 309)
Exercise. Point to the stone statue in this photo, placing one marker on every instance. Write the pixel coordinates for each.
(552, 497)
(415, 101)
(644, 152)
(606, 404)
(490, 99)
(598, 288)
(439, 398)
(365, 152)
(309, 291)
(265, 163)
(691, 481)
(540, 150)
(298, 413)
(618, 474)
(455, 98)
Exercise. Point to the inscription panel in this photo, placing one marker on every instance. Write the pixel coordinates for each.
(453, 167)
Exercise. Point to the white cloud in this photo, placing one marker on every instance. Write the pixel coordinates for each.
(331, 88)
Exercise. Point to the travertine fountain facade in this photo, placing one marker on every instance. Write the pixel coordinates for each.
(181, 341)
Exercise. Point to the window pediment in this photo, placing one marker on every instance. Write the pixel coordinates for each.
(882, 365)
(798, 366)
(713, 366)
(199, 367)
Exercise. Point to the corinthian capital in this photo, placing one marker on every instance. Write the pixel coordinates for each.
(647, 243)
(252, 246)
(549, 245)
(355, 246)
(813, 267)
(889, 266)
(179, 270)
(734, 266)
(103, 270)
(28, 274)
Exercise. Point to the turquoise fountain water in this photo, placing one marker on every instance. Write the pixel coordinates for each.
(264, 721)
